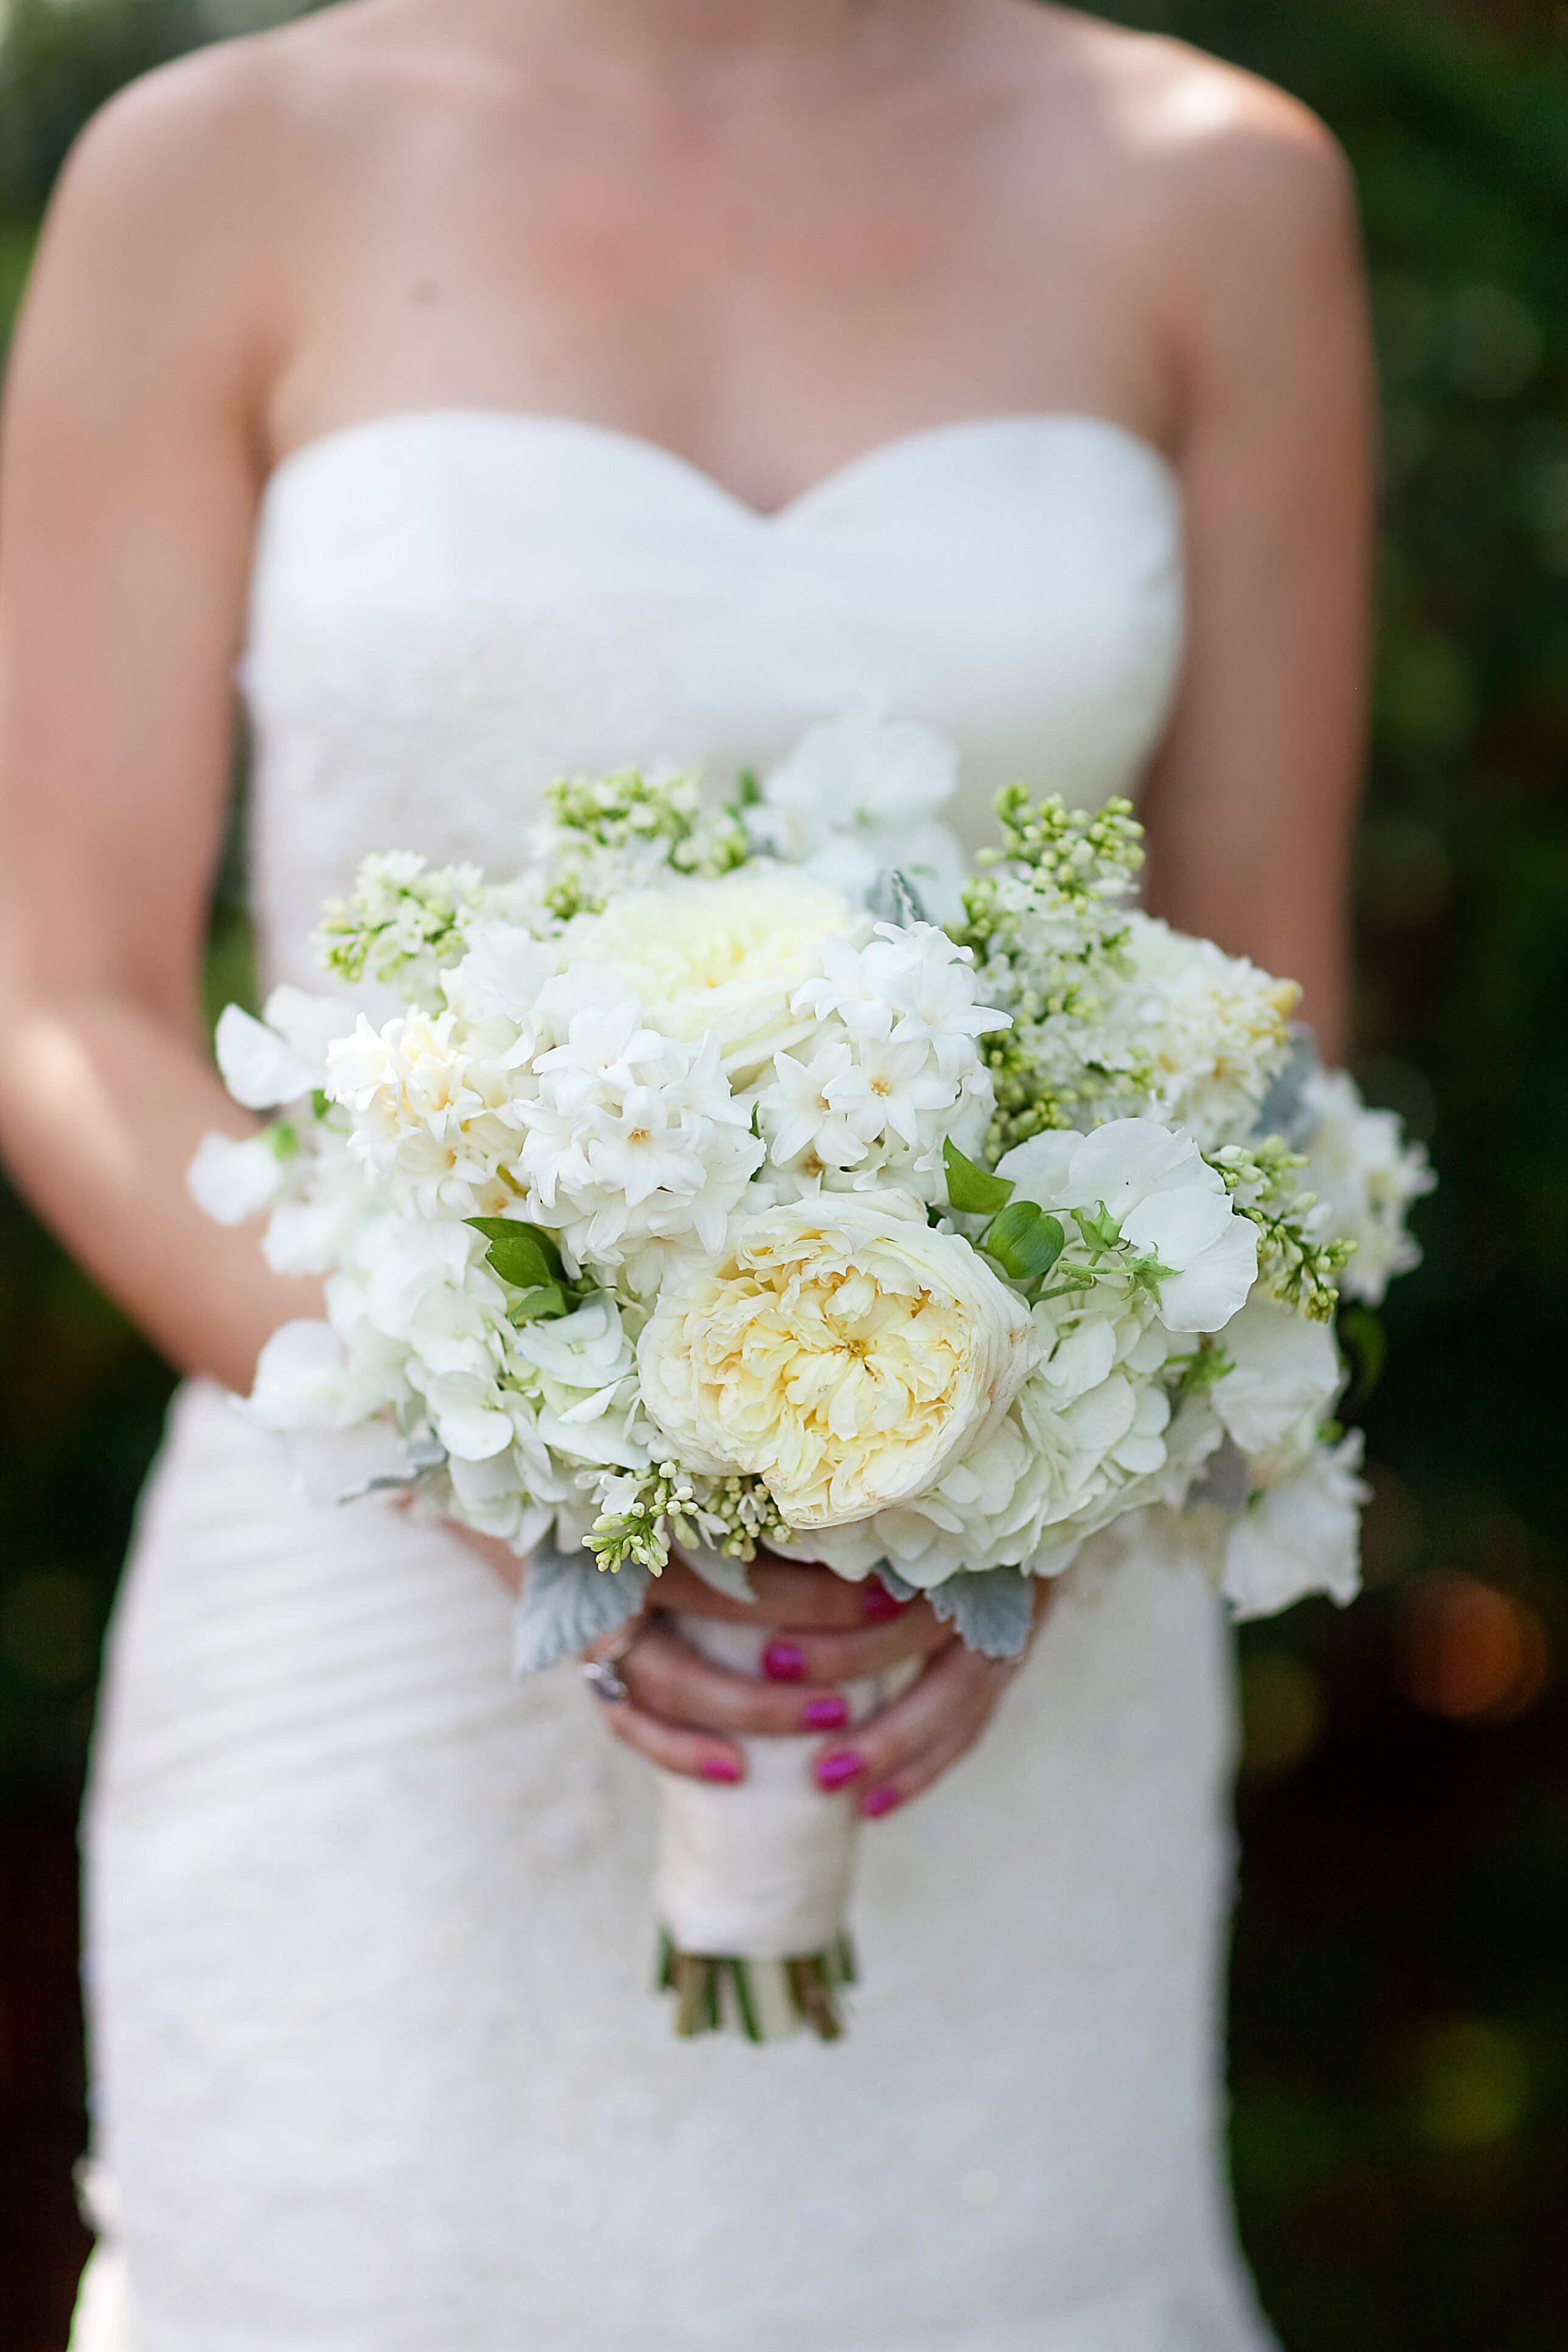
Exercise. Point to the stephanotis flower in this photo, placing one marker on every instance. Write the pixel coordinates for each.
(633, 1139)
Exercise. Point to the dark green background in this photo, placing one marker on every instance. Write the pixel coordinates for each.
(1399, 2024)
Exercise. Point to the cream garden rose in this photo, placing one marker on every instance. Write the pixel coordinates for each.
(838, 1349)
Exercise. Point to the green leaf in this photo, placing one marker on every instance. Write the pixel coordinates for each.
(523, 1255)
(545, 1298)
(748, 792)
(1025, 1241)
(1097, 1227)
(972, 1191)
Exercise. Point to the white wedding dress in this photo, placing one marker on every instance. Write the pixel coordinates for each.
(378, 2064)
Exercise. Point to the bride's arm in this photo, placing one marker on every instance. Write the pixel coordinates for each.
(1250, 807)
(127, 508)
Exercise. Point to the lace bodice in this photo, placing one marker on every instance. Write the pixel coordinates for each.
(453, 608)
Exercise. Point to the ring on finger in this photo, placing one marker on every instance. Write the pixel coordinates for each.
(600, 1671)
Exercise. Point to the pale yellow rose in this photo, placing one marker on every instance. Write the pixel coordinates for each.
(724, 955)
(838, 1349)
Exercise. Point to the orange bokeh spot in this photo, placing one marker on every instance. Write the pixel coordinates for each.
(1469, 1652)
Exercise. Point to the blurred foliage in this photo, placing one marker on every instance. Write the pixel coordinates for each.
(1400, 2011)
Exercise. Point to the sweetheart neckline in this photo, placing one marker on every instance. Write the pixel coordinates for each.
(838, 477)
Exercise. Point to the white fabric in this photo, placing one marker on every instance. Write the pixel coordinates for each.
(378, 2066)
(763, 1871)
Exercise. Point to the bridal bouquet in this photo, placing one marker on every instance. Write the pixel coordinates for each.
(694, 1196)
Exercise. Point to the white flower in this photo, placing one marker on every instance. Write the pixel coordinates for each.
(634, 1138)
(1168, 1202)
(230, 1179)
(304, 1381)
(434, 1117)
(501, 975)
(1302, 1536)
(897, 1067)
(723, 956)
(839, 1349)
(284, 1055)
(1284, 1369)
(1366, 1177)
(1214, 1026)
(858, 794)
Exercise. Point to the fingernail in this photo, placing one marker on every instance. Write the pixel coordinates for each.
(783, 1663)
(877, 1605)
(877, 1802)
(832, 1771)
(824, 1714)
(719, 1768)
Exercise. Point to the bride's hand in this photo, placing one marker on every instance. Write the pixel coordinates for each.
(686, 1713)
(826, 1633)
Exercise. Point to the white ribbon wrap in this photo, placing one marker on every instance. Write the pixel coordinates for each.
(762, 1871)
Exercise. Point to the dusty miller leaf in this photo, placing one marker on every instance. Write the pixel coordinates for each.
(718, 1569)
(991, 1611)
(568, 1601)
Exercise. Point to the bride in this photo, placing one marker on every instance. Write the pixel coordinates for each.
(513, 387)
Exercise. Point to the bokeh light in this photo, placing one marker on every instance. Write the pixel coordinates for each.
(1467, 1650)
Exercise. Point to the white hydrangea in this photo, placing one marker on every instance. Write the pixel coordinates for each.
(634, 1143)
(1366, 1178)
(858, 795)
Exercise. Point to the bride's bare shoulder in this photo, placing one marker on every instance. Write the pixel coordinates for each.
(1208, 152)
(235, 143)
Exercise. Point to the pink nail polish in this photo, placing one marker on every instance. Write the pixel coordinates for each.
(783, 1663)
(833, 1771)
(877, 1605)
(719, 1768)
(824, 1714)
(877, 1802)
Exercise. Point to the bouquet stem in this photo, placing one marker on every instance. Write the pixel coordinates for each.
(753, 1882)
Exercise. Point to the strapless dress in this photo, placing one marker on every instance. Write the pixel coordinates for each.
(377, 2064)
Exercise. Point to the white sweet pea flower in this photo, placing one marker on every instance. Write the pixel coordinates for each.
(1168, 1202)
(1366, 1178)
(501, 975)
(1284, 1370)
(839, 1349)
(304, 1379)
(1302, 1536)
(259, 1068)
(284, 1055)
(860, 793)
(232, 1179)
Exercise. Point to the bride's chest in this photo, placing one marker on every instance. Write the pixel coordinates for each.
(452, 607)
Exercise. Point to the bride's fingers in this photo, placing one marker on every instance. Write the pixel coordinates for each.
(693, 1754)
(789, 1595)
(668, 1678)
(839, 1658)
(937, 1717)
